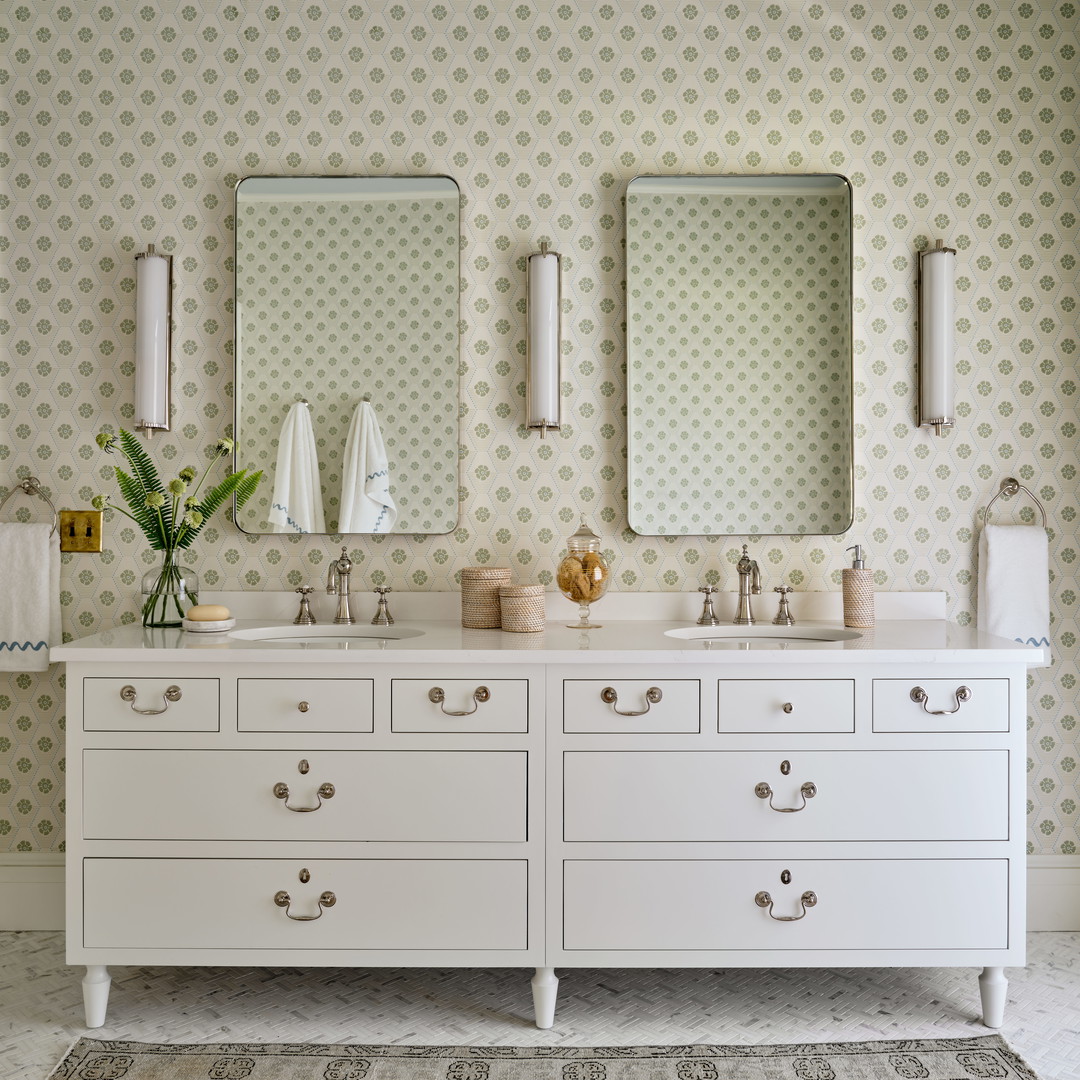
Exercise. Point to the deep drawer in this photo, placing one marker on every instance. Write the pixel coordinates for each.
(474, 706)
(150, 704)
(672, 795)
(378, 904)
(393, 795)
(944, 706)
(338, 705)
(639, 905)
(628, 706)
(786, 706)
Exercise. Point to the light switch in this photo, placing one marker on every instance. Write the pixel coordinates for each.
(80, 530)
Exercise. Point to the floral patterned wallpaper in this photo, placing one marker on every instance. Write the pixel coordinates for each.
(129, 121)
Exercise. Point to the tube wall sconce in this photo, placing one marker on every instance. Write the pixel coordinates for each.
(543, 365)
(153, 340)
(937, 329)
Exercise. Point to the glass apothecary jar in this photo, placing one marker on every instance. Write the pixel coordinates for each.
(583, 574)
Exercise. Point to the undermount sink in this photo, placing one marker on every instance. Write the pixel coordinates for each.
(348, 635)
(768, 633)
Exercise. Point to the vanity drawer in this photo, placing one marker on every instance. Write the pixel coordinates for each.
(639, 905)
(391, 795)
(660, 706)
(706, 796)
(378, 904)
(488, 705)
(943, 708)
(786, 706)
(150, 704)
(305, 704)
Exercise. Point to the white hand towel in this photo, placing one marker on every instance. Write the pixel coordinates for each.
(1014, 583)
(29, 596)
(366, 503)
(297, 505)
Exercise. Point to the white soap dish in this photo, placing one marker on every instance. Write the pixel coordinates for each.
(214, 627)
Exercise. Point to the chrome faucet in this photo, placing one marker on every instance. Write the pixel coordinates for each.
(382, 613)
(749, 584)
(337, 584)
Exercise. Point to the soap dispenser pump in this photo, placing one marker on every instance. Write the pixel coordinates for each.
(858, 586)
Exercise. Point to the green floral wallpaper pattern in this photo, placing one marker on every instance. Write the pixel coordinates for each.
(127, 121)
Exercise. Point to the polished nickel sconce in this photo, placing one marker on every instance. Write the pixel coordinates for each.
(543, 370)
(937, 330)
(153, 340)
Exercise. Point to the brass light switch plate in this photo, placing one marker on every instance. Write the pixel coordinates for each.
(80, 530)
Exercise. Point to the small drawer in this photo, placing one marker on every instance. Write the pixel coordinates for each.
(469, 706)
(150, 704)
(677, 904)
(785, 706)
(237, 904)
(926, 705)
(339, 705)
(631, 706)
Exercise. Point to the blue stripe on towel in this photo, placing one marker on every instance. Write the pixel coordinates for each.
(1037, 642)
(11, 646)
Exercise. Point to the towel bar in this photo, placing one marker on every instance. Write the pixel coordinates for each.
(1011, 486)
(30, 486)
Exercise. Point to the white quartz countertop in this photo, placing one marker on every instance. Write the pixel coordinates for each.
(626, 642)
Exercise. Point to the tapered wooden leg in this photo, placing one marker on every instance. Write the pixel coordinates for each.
(993, 988)
(95, 992)
(545, 987)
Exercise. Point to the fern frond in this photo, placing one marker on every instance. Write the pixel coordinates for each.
(135, 497)
(212, 501)
(142, 465)
(247, 487)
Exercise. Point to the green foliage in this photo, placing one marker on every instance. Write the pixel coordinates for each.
(172, 518)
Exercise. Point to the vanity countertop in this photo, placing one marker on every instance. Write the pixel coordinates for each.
(631, 641)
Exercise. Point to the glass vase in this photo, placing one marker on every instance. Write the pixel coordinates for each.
(583, 574)
(168, 591)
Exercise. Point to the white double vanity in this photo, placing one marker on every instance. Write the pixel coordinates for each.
(425, 795)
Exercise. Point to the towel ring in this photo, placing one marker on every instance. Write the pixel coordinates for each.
(30, 486)
(1011, 486)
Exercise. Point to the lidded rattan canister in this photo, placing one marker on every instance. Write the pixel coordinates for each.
(480, 596)
(522, 608)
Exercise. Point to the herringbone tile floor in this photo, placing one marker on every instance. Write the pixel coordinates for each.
(41, 1008)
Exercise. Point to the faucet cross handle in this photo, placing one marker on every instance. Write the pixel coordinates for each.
(708, 615)
(382, 614)
(304, 616)
(783, 616)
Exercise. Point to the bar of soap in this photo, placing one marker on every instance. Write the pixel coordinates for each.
(208, 613)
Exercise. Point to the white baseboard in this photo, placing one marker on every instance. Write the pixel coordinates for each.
(32, 892)
(1053, 892)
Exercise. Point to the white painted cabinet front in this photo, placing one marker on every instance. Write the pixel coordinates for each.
(545, 815)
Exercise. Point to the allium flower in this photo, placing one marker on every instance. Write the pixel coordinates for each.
(99, 502)
(193, 519)
(177, 487)
(155, 500)
(191, 502)
(223, 447)
(106, 441)
(187, 474)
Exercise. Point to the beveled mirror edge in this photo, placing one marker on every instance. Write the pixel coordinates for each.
(689, 180)
(236, 351)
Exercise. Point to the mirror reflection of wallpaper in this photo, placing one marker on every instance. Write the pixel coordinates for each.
(342, 294)
(739, 396)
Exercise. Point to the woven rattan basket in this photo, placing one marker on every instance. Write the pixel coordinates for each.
(480, 596)
(522, 608)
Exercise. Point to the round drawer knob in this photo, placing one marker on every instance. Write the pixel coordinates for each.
(788, 707)
(303, 706)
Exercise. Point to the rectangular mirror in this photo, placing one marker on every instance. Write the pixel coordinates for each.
(739, 355)
(347, 307)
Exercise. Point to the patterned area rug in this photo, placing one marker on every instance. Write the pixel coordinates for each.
(985, 1058)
